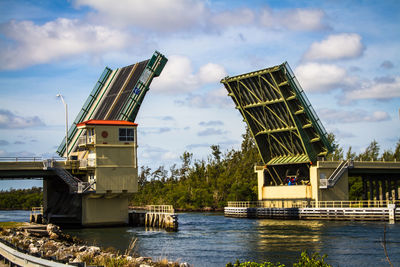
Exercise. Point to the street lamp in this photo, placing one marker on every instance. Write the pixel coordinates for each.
(66, 122)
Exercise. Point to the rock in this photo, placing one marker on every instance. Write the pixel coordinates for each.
(77, 259)
(33, 249)
(82, 248)
(144, 265)
(53, 236)
(52, 228)
(184, 264)
(140, 259)
(65, 256)
(94, 250)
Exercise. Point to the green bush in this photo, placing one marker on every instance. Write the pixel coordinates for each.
(306, 260)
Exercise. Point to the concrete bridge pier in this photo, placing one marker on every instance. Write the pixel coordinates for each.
(383, 187)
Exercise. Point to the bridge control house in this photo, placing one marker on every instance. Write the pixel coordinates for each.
(107, 151)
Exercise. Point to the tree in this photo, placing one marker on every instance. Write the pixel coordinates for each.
(396, 154)
(387, 155)
(350, 154)
(337, 153)
(371, 153)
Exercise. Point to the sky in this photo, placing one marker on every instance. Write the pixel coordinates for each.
(345, 54)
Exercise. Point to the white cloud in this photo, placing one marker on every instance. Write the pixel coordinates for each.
(169, 156)
(181, 15)
(214, 98)
(333, 116)
(178, 76)
(159, 15)
(211, 123)
(339, 46)
(234, 18)
(157, 153)
(9, 120)
(316, 77)
(30, 43)
(293, 19)
(211, 131)
(4, 153)
(381, 88)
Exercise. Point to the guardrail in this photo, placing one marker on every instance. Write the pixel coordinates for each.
(17, 258)
(34, 159)
(84, 163)
(86, 140)
(168, 209)
(37, 210)
(352, 204)
(16, 159)
(312, 204)
(267, 204)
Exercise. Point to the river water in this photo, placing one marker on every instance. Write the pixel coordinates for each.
(210, 239)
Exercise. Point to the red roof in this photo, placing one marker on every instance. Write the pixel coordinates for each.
(106, 122)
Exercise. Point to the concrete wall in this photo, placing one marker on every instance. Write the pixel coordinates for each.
(322, 170)
(104, 210)
(293, 192)
(115, 161)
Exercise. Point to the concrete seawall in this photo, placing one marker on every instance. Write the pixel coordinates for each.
(360, 214)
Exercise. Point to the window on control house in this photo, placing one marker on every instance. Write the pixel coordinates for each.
(126, 134)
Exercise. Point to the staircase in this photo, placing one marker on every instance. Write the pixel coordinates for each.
(336, 175)
(75, 185)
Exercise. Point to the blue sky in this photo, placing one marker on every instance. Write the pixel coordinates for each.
(345, 54)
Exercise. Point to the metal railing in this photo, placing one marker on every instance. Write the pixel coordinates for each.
(352, 204)
(84, 163)
(168, 209)
(17, 159)
(18, 258)
(85, 140)
(267, 204)
(312, 204)
(37, 210)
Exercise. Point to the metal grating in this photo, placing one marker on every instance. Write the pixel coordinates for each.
(285, 126)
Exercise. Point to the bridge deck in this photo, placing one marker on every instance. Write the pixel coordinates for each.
(27, 169)
(365, 167)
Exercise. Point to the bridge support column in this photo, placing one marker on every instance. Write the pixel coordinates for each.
(45, 196)
(383, 189)
(371, 188)
(390, 181)
(377, 193)
(365, 188)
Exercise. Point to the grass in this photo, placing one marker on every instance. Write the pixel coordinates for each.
(7, 225)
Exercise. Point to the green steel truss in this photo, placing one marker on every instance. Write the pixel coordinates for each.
(117, 94)
(281, 119)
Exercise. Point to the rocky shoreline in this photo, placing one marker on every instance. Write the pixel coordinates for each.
(49, 242)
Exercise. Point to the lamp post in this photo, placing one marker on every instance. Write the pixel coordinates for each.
(66, 123)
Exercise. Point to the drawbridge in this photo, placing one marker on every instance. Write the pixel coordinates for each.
(293, 144)
(117, 95)
(288, 133)
(93, 183)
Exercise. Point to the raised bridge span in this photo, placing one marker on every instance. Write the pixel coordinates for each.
(92, 184)
(293, 144)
